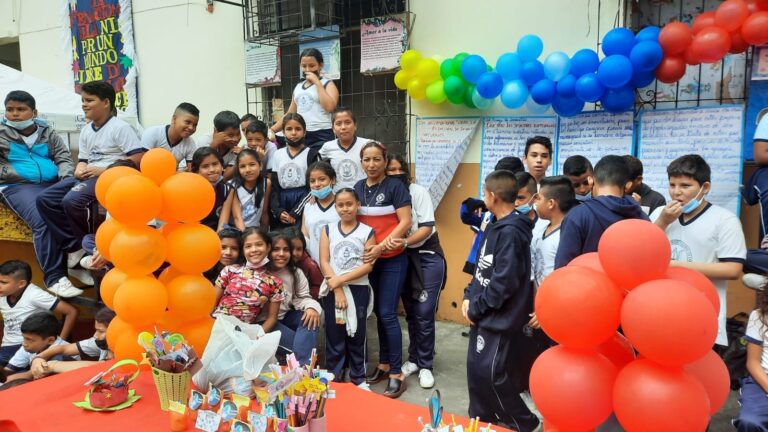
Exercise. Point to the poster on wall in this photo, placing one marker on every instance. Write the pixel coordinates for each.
(262, 65)
(326, 40)
(101, 34)
(382, 41)
(760, 63)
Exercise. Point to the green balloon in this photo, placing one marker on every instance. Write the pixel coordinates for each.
(436, 93)
(454, 87)
(468, 96)
(456, 100)
(457, 63)
(447, 68)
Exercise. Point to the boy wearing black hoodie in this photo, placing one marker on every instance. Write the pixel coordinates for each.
(582, 228)
(497, 303)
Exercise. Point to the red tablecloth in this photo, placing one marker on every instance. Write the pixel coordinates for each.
(47, 405)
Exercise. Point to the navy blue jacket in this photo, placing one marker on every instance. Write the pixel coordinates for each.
(583, 226)
(500, 294)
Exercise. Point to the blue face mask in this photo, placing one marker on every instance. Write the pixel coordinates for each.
(582, 198)
(321, 193)
(694, 203)
(526, 208)
(19, 125)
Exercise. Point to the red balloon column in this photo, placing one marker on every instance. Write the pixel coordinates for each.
(593, 372)
(180, 302)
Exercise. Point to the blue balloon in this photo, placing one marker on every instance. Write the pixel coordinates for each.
(535, 108)
(618, 100)
(646, 55)
(481, 102)
(584, 61)
(642, 79)
(566, 87)
(472, 67)
(567, 107)
(544, 91)
(529, 47)
(532, 72)
(650, 33)
(614, 71)
(490, 84)
(557, 65)
(509, 65)
(588, 88)
(514, 94)
(618, 41)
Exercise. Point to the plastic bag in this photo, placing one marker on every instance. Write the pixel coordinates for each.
(236, 354)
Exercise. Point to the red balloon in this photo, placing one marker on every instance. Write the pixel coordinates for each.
(618, 350)
(656, 316)
(731, 14)
(690, 57)
(675, 37)
(634, 251)
(572, 388)
(712, 373)
(588, 260)
(711, 44)
(698, 281)
(650, 397)
(738, 44)
(757, 5)
(594, 320)
(705, 20)
(755, 28)
(671, 69)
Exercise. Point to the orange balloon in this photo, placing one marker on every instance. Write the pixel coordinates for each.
(618, 350)
(191, 297)
(187, 197)
(127, 346)
(158, 164)
(138, 250)
(193, 248)
(712, 373)
(141, 300)
(169, 227)
(634, 251)
(197, 333)
(108, 177)
(589, 260)
(117, 327)
(169, 274)
(134, 200)
(696, 280)
(170, 322)
(109, 285)
(105, 234)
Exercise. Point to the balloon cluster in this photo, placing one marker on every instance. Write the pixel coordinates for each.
(181, 299)
(630, 62)
(668, 314)
(732, 28)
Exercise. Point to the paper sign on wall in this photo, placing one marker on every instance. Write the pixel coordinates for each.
(440, 147)
(382, 41)
(262, 64)
(593, 135)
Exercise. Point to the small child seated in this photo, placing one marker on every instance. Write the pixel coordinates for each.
(40, 331)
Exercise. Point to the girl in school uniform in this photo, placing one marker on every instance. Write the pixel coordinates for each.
(321, 212)
(426, 276)
(299, 316)
(249, 201)
(289, 174)
(346, 293)
(315, 97)
(386, 207)
(208, 163)
(344, 152)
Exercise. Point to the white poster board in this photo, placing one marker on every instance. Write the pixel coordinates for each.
(712, 132)
(382, 41)
(506, 136)
(593, 135)
(262, 64)
(440, 147)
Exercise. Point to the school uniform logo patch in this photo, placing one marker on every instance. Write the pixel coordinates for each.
(290, 176)
(681, 251)
(480, 344)
(345, 254)
(380, 198)
(347, 170)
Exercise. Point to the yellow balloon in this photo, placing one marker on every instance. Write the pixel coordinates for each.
(417, 89)
(428, 71)
(402, 78)
(410, 59)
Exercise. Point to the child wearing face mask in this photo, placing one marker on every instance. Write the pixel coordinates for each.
(704, 237)
(579, 170)
(321, 212)
(289, 174)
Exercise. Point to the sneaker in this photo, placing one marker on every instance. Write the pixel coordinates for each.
(82, 275)
(64, 288)
(87, 263)
(73, 258)
(754, 281)
(364, 386)
(426, 380)
(409, 368)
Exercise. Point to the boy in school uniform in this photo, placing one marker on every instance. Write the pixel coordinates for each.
(648, 198)
(225, 136)
(496, 303)
(582, 228)
(538, 156)
(555, 200)
(175, 137)
(579, 170)
(40, 332)
(704, 237)
(20, 298)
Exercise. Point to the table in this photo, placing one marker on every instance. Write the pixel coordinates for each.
(46, 404)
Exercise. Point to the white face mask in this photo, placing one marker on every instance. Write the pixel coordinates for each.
(260, 264)
(19, 125)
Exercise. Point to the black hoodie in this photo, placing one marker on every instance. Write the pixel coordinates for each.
(583, 226)
(500, 293)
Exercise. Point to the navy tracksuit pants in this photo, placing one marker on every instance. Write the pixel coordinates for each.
(66, 208)
(52, 259)
(340, 348)
(753, 415)
(421, 307)
(493, 393)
